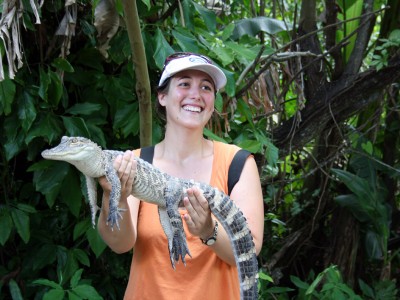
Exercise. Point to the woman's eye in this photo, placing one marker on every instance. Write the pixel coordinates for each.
(183, 83)
(207, 88)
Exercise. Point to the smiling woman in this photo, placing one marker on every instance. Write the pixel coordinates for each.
(187, 61)
(186, 95)
(189, 91)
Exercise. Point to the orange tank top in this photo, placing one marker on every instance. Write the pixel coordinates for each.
(205, 276)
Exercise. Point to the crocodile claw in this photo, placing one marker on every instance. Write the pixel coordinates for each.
(114, 216)
(179, 249)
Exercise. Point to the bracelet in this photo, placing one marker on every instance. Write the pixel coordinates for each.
(212, 239)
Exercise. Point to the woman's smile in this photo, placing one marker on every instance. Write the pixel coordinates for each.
(192, 108)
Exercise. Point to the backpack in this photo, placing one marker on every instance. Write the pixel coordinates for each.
(235, 169)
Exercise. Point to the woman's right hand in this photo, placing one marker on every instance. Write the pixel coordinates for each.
(125, 166)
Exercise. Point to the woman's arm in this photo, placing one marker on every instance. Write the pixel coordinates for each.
(247, 195)
(123, 239)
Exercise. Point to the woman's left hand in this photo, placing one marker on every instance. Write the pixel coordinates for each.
(198, 219)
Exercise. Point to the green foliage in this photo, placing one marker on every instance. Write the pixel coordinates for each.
(382, 290)
(367, 201)
(327, 285)
(266, 291)
(380, 59)
(251, 135)
(7, 93)
(78, 289)
(278, 227)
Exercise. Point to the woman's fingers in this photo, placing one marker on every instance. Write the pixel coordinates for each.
(198, 201)
(198, 218)
(125, 166)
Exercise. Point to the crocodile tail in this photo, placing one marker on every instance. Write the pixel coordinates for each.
(235, 225)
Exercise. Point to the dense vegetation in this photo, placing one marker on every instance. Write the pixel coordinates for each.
(313, 92)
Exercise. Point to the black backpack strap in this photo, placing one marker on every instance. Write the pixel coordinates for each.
(147, 154)
(235, 169)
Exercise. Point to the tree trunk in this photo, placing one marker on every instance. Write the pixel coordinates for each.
(390, 142)
(143, 89)
(343, 245)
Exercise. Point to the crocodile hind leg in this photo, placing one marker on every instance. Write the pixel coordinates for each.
(169, 232)
(177, 244)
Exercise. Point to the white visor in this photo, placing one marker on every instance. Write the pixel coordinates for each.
(193, 62)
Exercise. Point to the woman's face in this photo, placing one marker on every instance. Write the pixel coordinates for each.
(190, 99)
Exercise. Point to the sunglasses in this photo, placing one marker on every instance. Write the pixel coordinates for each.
(177, 55)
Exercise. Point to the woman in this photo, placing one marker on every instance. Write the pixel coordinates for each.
(186, 92)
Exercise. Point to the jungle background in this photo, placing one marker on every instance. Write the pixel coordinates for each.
(313, 92)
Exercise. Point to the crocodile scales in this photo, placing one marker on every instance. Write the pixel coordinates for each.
(153, 186)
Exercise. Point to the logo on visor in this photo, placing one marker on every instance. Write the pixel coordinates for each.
(197, 59)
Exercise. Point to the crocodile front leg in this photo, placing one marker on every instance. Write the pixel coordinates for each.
(92, 197)
(115, 195)
(177, 244)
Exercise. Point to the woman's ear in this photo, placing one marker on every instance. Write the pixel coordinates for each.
(161, 98)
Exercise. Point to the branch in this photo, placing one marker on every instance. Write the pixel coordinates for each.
(267, 59)
(338, 100)
(288, 243)
(169, 11)
(330, 37)
(255, 77)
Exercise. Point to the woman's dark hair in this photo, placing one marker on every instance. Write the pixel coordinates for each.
(159, 109)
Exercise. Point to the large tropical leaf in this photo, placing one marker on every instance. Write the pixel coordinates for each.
(254, 26)
(356, 184)
(351, 9)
